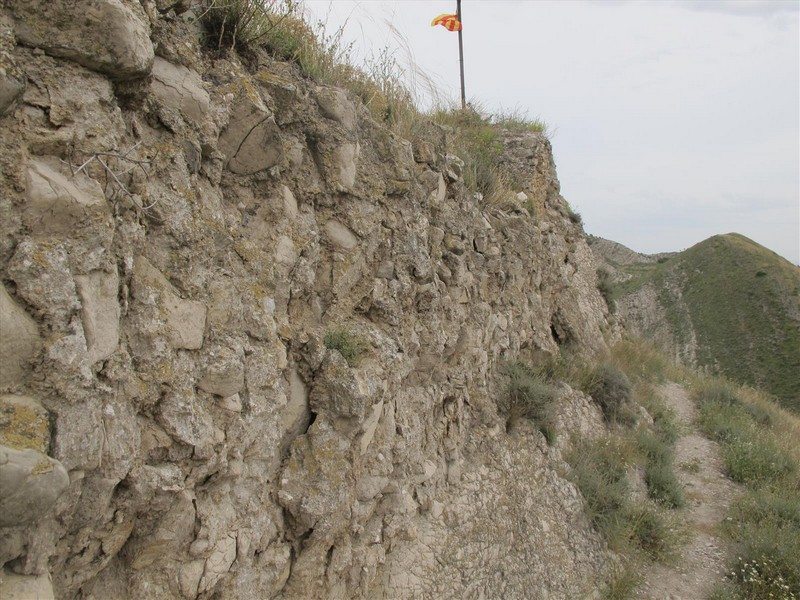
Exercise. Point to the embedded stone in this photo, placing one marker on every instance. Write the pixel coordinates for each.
(184, 320)
(100, 312)
(218, 563)
(224, 375)
(59, 203)
(340, 235)
(345, 161)
(18, 342)
(289, 202)
(110, 36)
(30, 483)
(184, 417)
(79, 438)
(252, 140)
(424, 152)
(25, 587)
(334, 104)
(180, 89)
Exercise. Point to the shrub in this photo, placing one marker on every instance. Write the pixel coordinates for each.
(529, 396)
(650, 532)
(762, 578)
(659, 472)
(574, 216)
(611, 389)
(599, 470)
(350, 346)
(622, 583)
(243, 25)
(605, 285)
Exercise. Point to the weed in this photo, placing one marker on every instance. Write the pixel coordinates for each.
(622, 583)
(529, 396)
(350, 346)
(692, 466)
(611, 389)
(605, 285)
(243, 25)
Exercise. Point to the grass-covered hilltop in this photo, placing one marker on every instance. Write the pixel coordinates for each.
(726, 304)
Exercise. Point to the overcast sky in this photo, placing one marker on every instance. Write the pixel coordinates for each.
(671, 121)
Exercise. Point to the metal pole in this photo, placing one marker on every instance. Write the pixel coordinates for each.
(461, 57)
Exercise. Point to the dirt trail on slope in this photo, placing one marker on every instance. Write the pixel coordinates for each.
(708, 495)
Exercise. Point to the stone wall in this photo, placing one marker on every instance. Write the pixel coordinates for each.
(179, 235)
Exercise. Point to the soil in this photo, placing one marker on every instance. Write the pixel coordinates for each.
(702, 561)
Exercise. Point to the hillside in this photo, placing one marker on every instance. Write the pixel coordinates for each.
(726, 304)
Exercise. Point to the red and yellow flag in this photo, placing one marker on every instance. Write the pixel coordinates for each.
(449, 22)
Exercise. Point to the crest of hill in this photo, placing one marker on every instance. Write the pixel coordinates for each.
(726, 304)
(616, 254)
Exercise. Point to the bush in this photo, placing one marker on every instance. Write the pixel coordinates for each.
(659, 472)
(611, 389)
(529, 396)
(350, 346)
(650, 532)
(605, 285)
(243, 25)
(751, 453)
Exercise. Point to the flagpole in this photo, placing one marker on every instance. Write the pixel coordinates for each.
(461, 57)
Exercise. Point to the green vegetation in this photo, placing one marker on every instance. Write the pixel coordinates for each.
(529, 396)
(573, 215)
(759, 446)
(606, 287)
(611, 389)
(474, 137)
(741, 301)
(349, 345)
(600, 470)
(640, 530)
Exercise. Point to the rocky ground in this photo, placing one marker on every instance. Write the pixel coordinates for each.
(709, 492)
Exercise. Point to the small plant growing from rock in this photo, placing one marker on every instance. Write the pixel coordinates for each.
(349, 345)
(529, 396)
(611, 389)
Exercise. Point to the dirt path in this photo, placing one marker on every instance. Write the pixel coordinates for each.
(708, 495)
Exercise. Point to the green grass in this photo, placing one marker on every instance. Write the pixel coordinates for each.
(760, 451)
(529, 396)
(599, 469)
(352, 347)
(611, 389)
(474, 136)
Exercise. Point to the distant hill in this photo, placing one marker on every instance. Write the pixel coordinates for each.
(726, 304)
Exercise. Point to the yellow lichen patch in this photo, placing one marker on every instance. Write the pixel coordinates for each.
(41, 467)
(24, 424)
(273, 78)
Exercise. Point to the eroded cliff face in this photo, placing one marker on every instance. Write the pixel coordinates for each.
(178, 236)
